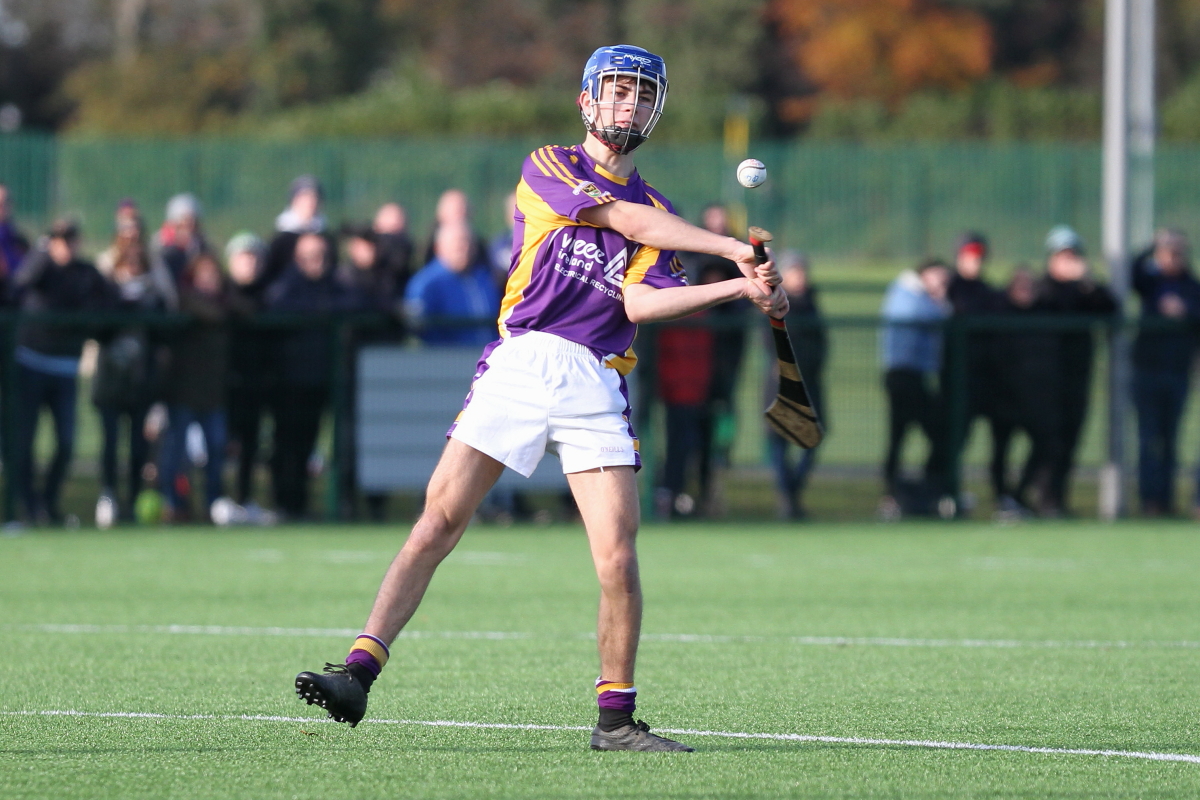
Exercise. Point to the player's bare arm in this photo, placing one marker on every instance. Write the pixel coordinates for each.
(647, 304)
(663, 230)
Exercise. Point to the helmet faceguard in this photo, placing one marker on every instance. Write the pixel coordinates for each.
(605, 67)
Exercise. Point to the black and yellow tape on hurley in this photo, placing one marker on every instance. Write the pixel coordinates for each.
(791, 414)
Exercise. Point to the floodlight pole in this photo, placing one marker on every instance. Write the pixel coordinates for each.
(1115, 235)
(1127, 203)
(1143, 126)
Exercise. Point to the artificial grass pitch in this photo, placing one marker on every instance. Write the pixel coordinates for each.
(1070, 636)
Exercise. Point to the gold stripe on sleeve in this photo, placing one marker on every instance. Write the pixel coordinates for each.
(640, 264)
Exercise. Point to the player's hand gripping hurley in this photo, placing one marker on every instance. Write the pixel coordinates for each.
(791, 414)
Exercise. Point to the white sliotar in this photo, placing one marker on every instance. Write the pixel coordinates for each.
(751, 173)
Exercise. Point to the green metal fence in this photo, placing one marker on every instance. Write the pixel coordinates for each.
(855, 407)
(899, 200)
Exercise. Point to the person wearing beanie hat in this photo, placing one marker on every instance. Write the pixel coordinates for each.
(1066, 289)
(180, 237)
(969, 295)
(252, 368)
(1063, 237)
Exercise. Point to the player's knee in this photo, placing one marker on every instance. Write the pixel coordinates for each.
(618, 570)
(435, 534)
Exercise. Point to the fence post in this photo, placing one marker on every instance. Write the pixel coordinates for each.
(955, 393)
(8, 413)
(643, 416)
(340, 352)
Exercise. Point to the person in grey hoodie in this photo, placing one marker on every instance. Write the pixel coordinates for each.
(911, 350)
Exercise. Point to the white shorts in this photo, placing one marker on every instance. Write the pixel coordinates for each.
(538, 393)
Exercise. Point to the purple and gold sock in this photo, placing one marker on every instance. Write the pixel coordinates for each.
(617, 702)
(370, 654)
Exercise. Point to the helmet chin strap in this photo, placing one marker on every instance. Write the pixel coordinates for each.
(621, 141)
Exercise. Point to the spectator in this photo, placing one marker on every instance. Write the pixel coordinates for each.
(181, 238)
(13, 244)
(52, 278)
(195, 383)
(969, 296)
(453, 208)
(685, 370)
(501, 247)
(366, 271)
(453, 287)
(913, 309)
(730, 320)
(1162, 361)
(394, 245)
(1068, 289)
(253, 372)
(810, 342)
(1026, 362)
(124, 385)
(302, 215)
(308, 286)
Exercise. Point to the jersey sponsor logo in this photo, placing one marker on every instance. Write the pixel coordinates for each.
(588, 188)
(614, 270)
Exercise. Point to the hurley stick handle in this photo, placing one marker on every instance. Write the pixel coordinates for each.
(758, 240)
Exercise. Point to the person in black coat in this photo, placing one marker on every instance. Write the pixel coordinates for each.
(969, 349)
(302, 215)
(1025, 357)
(1162, 361)
(308, 286)
(810, 341)
(1067, 289)
(253, 371)
(52, 278)
(195, 382)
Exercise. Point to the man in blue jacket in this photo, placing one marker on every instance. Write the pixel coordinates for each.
(911, 349)
(454, 287)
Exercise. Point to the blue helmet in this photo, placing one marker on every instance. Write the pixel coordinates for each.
(628, 61)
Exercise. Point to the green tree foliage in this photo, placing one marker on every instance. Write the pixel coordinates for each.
(314, 50)
(511, 67)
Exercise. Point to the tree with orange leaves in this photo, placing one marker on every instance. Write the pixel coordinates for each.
(883, 49)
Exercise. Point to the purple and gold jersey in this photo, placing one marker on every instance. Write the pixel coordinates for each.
(567, 277)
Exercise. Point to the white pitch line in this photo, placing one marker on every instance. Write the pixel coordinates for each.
(238, 630)
(928, 744)
(682, 638)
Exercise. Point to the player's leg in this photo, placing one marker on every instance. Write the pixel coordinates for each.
(461, 479)
(608, 503)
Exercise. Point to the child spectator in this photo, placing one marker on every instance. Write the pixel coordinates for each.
(196, 380)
